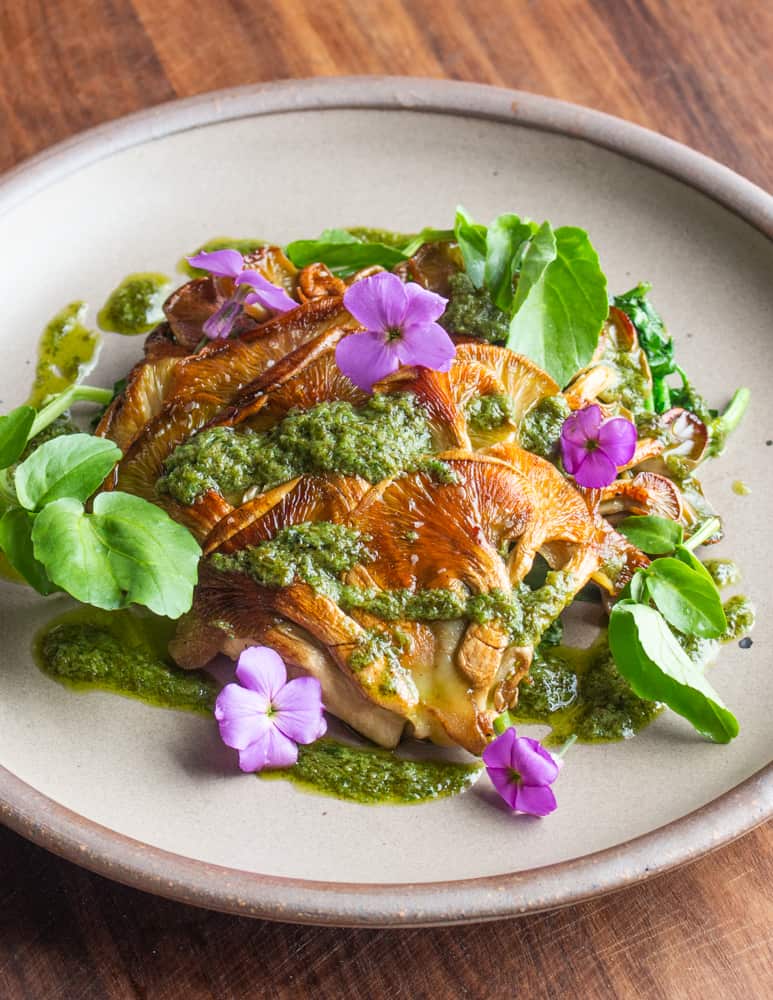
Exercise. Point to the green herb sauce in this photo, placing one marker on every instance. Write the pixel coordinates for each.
(470, 311)
(244, 246)
(740, 615)
(134, 307)
(633, 388)
(374, 776)
(724, 572)
(123, 652)
(67, 350)
(540, 428)
(740, 488)
(386, 435)
(486, 413)
(57, 428)
(316, 552)
(580, 692)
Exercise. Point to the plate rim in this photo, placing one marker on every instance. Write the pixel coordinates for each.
(85, 842)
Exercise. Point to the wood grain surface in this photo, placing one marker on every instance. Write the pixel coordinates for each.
(698, 71)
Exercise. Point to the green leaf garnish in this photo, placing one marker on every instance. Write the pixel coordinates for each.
(654, 535)
(506, 239)
(72, 466)
(471, 237)
(657, 668)
(560, 303)
(16, 542)
(686, 598)
(126, 551)
(14, 433)
(342, 253)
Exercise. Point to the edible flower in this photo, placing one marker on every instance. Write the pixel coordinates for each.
(522, 771)
(265, 716)
(251, 288)
(592, 449)
(400, 329)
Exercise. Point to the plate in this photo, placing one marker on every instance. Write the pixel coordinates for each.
(151, 798)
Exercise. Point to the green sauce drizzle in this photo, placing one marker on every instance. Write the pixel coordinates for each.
(316, 552)
(580, 692)
(66, 352)
(740, 488)
(386, 435)
(374, 776)
(486, 413)
(471, 311)
(541, 427)
(724, 572)
(125, 653)
(740, 615)
(134, 307)
(244, 246)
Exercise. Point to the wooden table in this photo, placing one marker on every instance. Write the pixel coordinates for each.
(699, 72)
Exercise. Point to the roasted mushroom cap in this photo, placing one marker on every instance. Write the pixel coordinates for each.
(464, 530)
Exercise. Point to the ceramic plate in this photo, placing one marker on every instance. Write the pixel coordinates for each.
(150, 797)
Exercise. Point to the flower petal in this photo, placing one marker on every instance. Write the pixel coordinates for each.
(220, 323)
(502, 779)
(262, 669)
(427, 345)
(241, 715)
(365, 358)
(582, 425)
(378, 302)
(267, 294)
(298, 708)
(538, 800)
(499, 752)
(572, 455)
(595, 470)
(423, 306)
(533, 762)
(617, 439)
(225, 263)
(271, 749)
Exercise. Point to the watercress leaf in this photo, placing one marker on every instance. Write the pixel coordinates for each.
(647, 654)
(560, 303)
(127, 551)
(505, 239)
(654, 535)
(15, 430)
(427, 235)
(65, 541)
(686, 598)
(338, 236)
(638, 587)
(16, 542)
(688, 557)
(72, 465)
(471, 237)
(343, 253)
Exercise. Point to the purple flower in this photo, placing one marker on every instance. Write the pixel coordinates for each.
(400, 329)
(266, 716)
(251, 288)
(593, 449)
(522, 770)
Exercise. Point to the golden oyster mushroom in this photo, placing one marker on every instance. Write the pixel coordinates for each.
(205, 385)
(448, 677)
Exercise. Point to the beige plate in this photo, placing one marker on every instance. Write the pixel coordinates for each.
(150, 797)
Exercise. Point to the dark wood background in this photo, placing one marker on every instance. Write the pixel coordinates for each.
(699, 71)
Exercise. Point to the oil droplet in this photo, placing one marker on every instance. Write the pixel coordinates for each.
(741, 488)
